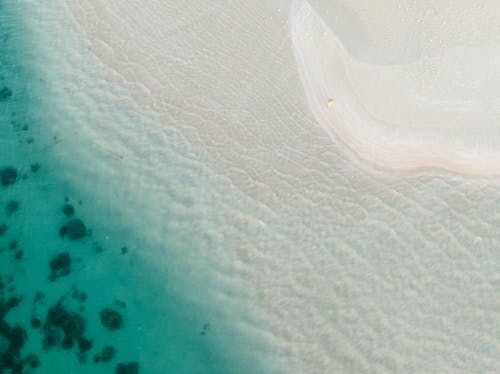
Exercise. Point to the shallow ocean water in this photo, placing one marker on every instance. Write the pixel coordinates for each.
(169, 323)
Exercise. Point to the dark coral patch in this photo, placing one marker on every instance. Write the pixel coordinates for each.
(107, 354)
(75, 229)
(84, 345)
(3, 228)
(11, 207)
(78, 295)
(62, 328)
(16, 336)
(12, 302)
(68, 210)
(32, 361)
(63, 230)
(12, 340)
(8, 176)
(127, 368)
(111, 319)
(5, 93)
(35, 167)
(60, 266)
(12, 244)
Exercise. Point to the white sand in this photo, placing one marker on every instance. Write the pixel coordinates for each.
(421, 88)
(326, 267)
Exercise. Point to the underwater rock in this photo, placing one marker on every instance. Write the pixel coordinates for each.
(32, 361)
(3, 228)
(19, 254)
(60, 266)
(68, 210)
(13, 244)
(205, 329)
(11, 207)
(13, 302)
(78, 295)
(127, 368)
(35, 167)
(12, 340)
(108, 353)
(17, 338)
(8, 176)
(52, 337)
(62, 328)
(111, 319)
(5, 94)
(83, 297)
(5, 306)
(84, 345)
(75, 229)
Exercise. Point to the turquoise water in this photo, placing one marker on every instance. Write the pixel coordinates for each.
(83, 287)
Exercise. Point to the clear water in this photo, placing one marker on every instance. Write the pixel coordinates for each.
(168, 320)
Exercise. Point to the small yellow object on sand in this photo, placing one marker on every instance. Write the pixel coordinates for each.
(330, 103)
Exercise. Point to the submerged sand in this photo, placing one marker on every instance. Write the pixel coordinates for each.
(323, 266)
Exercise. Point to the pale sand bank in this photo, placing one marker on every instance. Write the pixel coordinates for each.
(328, 269)
(422, 88)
